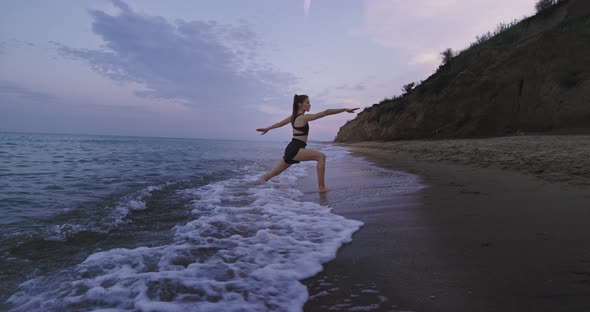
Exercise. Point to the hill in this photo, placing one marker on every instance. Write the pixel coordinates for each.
(531, 77)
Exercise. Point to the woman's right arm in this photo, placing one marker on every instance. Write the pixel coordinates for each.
(277, 125)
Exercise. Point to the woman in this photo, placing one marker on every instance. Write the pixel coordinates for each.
(296, 151)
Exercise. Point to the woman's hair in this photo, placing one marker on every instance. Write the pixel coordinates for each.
(296, 100)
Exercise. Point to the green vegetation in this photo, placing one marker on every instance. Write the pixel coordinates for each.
(501, 28)
(387, 110)
(526, 75)
(486, 46)
(546, 4)
(407, 88)
(447, 55)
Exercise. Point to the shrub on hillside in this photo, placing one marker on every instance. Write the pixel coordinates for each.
(545, 4)
(409, 87)
(500, 29)
(447, 55)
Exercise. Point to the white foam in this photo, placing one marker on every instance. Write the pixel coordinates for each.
(246, 249)
(62, 232)
(132, 202)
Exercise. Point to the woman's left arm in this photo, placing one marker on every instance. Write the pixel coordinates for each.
(327, 112)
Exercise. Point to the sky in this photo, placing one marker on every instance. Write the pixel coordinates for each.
(219, 69)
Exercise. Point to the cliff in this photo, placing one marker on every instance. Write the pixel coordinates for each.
(532, 77)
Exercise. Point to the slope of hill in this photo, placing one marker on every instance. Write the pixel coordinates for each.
(532, 77)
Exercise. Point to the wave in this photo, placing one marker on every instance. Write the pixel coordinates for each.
(246, 248)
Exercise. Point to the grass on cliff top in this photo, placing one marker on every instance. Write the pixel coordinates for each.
(486, 48)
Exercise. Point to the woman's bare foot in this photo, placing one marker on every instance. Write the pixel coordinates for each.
(323, 189)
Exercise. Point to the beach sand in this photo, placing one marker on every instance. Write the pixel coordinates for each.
(553, 158)
(491, 237)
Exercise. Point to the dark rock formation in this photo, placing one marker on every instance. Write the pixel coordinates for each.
(533, 77)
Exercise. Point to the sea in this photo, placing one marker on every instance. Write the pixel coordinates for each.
(113, 223)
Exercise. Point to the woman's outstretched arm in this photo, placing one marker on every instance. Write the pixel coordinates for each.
(277, 125)
(327, 112)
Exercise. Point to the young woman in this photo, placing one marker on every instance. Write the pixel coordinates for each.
(296, 151)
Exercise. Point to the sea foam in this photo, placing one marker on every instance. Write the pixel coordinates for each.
(246, 249)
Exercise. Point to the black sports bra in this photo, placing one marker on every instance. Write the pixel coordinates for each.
(304, 129)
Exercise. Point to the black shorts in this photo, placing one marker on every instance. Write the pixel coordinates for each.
(292, 150)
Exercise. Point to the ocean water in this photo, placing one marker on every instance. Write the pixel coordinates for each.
(103, 223)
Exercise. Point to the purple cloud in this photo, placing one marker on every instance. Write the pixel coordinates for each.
(11, 93)
(14, 43)
(357, 87)
(200, 63)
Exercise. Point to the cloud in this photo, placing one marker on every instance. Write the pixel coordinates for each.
(200, 63)
(357, 87)
(14, 43)
(273, 109)
(423, 26)
(431, 58)
(23, 109)
(11, 93)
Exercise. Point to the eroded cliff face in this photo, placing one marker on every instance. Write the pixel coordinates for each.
(533, 77)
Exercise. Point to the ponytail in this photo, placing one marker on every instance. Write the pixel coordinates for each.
(296, 100)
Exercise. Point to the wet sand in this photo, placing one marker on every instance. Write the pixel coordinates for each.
(475, 239)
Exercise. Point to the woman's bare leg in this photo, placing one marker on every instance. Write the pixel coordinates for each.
(280, 167)
(309, 154)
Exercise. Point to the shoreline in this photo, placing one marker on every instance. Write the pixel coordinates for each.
(476, 239)
(360, 191)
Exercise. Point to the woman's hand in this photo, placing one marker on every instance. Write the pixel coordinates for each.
(351, 110)
(263, 130)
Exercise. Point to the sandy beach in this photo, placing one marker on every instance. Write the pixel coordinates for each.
(501, 225)
(553, 158)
